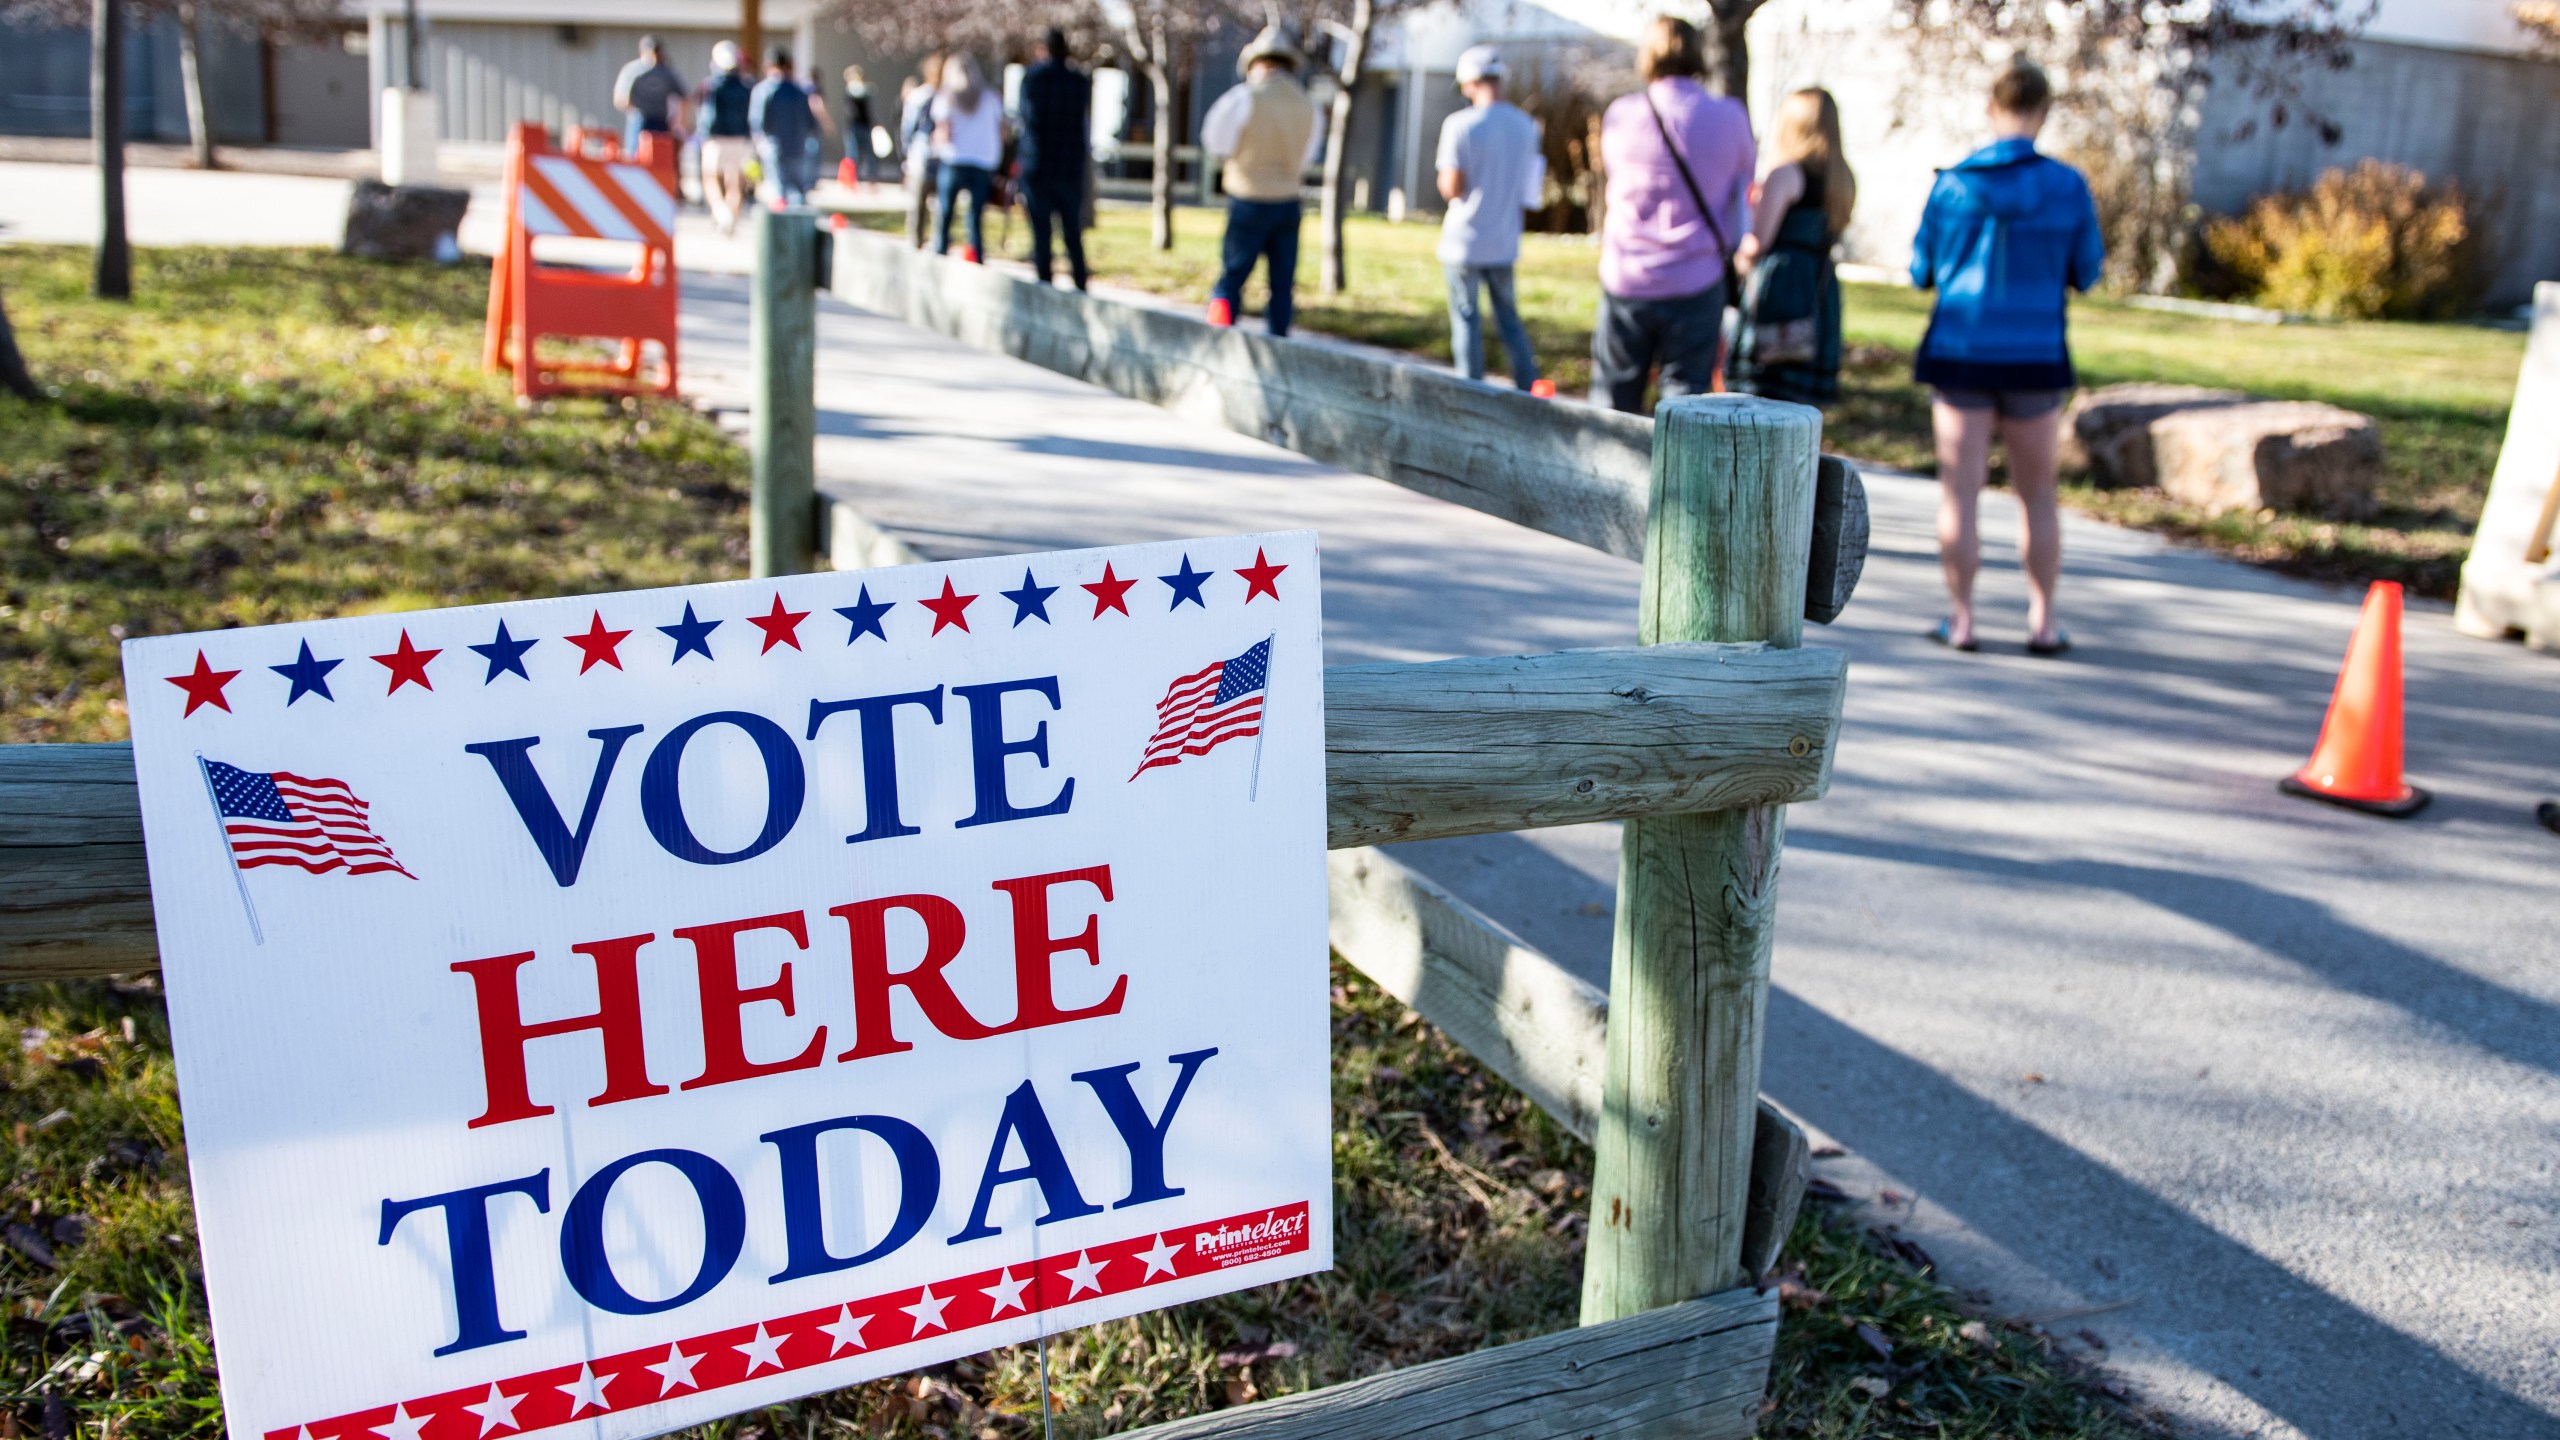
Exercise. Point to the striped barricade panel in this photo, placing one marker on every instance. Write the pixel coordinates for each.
(595, 200)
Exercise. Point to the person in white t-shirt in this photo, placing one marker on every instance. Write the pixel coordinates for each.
(1490, 172)
(968, 138)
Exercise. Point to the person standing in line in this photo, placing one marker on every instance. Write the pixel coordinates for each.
(650, 95)
(857, 122)
(1057, 139)
(722, 103)
(787, 117)
(1787, 344)
(1491, 173)
(915, 145)
(2007, 233)
(968, 138)
(1679, 163)
(1266, 130)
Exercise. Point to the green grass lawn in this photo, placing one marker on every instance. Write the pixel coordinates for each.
(267, 435)
(2441, 392)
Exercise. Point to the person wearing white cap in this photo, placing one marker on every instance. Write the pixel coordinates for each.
(1490, 172)
(1266, 129)
(722, 100)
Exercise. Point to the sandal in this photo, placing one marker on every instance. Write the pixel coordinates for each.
(2058, 645)
(1944, 632)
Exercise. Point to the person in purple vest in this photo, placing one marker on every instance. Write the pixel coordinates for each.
(1679, 161)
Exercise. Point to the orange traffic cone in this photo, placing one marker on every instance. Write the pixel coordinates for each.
(2357, 764)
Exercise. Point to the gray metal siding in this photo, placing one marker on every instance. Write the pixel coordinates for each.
(2487, 121)
(489, 75)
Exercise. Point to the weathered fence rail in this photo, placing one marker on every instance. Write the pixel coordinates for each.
(1572, 471)
(1453, 747)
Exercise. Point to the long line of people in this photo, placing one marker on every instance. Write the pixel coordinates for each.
(1715, 272)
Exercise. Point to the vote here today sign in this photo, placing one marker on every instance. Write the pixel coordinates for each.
(627, 1010)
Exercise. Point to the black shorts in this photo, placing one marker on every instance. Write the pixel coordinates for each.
(2007, 404)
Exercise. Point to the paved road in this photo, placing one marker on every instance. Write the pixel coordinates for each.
(2267, 1090)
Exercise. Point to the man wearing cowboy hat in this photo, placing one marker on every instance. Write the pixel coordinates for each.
(1266, 130)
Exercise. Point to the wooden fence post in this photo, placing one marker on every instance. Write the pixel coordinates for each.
(1724, 559)
(782, 340)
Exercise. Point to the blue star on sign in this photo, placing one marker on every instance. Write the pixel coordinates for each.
(692, 636)
(1186, 584)
(309, 676)
(505, 655)
(1031, 601)
(865, 614)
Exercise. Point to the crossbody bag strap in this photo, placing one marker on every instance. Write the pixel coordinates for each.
(1696, 197)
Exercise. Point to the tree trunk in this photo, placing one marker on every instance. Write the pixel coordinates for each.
(13, 366)
(1160, 191)
(1729, 48)
(1597, 215)
(113, 277)
(751, 35)
(1332, 273)
(191, 76)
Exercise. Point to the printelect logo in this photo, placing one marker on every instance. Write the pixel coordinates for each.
(1272, 1226)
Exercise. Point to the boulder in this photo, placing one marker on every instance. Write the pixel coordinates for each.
(2270, 455)
(2108, 431)
(404, 222)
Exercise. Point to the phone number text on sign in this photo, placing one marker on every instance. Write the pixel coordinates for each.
(630, 1010)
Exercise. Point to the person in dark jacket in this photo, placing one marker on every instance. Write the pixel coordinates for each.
(728, 140)
(1056, 139)
(2006, 235)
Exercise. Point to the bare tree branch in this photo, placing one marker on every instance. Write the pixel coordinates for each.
(2132, 77)
(2540, 22)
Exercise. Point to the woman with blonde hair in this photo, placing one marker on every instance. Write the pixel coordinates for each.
(968, 138)
(1787, 346)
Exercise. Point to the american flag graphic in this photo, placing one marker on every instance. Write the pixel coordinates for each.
(1207, 708)
(280, 818)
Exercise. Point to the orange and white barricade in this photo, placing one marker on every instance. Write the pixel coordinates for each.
(586, 196)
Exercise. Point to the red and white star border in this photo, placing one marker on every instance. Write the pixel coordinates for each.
(876, 1325)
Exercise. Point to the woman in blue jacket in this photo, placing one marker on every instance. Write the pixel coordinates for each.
(2006, 234)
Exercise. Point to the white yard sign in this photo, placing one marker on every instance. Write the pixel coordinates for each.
(628, 1010)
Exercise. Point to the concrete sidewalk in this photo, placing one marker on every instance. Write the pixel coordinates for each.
(2259, 1095)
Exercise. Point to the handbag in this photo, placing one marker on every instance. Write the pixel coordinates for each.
(1732, 282)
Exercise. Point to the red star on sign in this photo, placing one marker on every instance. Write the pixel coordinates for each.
(1261, 578)
(1110, 593)
(597, 644)
(951, 609)
(204, 685)
(780, 626)
(408, 665)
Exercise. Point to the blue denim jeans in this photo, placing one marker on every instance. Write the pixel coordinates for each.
(791, 176)
(1466, 322)
(956, 180)
(1262, 230)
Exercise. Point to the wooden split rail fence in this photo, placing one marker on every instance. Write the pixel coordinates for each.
(1696, 739)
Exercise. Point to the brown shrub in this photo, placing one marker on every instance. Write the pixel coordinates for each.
(2370, 243)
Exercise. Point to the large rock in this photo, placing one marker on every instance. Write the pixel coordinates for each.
(2271, 455)
(2108, 431)
(404, 222)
